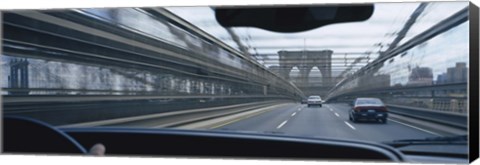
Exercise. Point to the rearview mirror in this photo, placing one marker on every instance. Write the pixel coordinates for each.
(291, 19)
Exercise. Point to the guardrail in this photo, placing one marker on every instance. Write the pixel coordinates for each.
(444, 118)
(19, 100)
(130, 54)
(77, 109)
(176, 118)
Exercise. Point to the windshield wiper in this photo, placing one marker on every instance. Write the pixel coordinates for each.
(461, 139)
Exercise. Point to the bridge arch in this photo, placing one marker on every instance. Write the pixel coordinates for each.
(305, 61)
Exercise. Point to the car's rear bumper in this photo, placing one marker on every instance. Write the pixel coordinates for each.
(314, 102)
(370, 115)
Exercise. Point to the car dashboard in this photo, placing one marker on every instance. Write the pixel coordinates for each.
(196, 143)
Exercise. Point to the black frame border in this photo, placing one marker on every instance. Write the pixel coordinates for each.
(473, 138)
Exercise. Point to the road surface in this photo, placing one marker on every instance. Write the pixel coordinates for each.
(331, 120)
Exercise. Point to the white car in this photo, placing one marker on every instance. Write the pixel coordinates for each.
(314, 100)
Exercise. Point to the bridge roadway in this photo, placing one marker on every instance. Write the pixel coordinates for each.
(296, 119)
(331, 120)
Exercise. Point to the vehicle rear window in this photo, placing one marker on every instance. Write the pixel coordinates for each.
(369, 101)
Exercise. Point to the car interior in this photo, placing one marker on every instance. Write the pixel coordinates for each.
(65, 121)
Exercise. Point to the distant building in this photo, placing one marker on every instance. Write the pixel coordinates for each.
(420, 76)
(441, 78)
(456, 74)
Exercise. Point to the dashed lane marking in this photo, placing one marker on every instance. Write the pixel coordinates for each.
(281, 125)
(351, 126)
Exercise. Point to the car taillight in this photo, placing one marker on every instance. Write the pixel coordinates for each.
(383, 109)
(356, 109)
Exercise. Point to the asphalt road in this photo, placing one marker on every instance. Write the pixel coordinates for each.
(331, 120)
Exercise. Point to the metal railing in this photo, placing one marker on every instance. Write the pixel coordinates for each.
(444, 118)
(102, 45)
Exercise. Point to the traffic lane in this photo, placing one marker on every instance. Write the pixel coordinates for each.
(330, 121)
(268, 122)
(300, 121)
(319, 122)
(375, 131)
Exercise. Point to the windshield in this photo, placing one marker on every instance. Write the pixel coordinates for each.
(314, 97)
(178, 68)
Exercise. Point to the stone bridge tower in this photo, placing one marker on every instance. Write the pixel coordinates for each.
(305, 61)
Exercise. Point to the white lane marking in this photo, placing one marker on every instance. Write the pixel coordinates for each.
(330, 109)
(336, 114)
(351, 126)
(281, 125)
(294, 113)
(415, 127)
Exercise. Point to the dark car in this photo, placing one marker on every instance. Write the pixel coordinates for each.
(368, 109)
